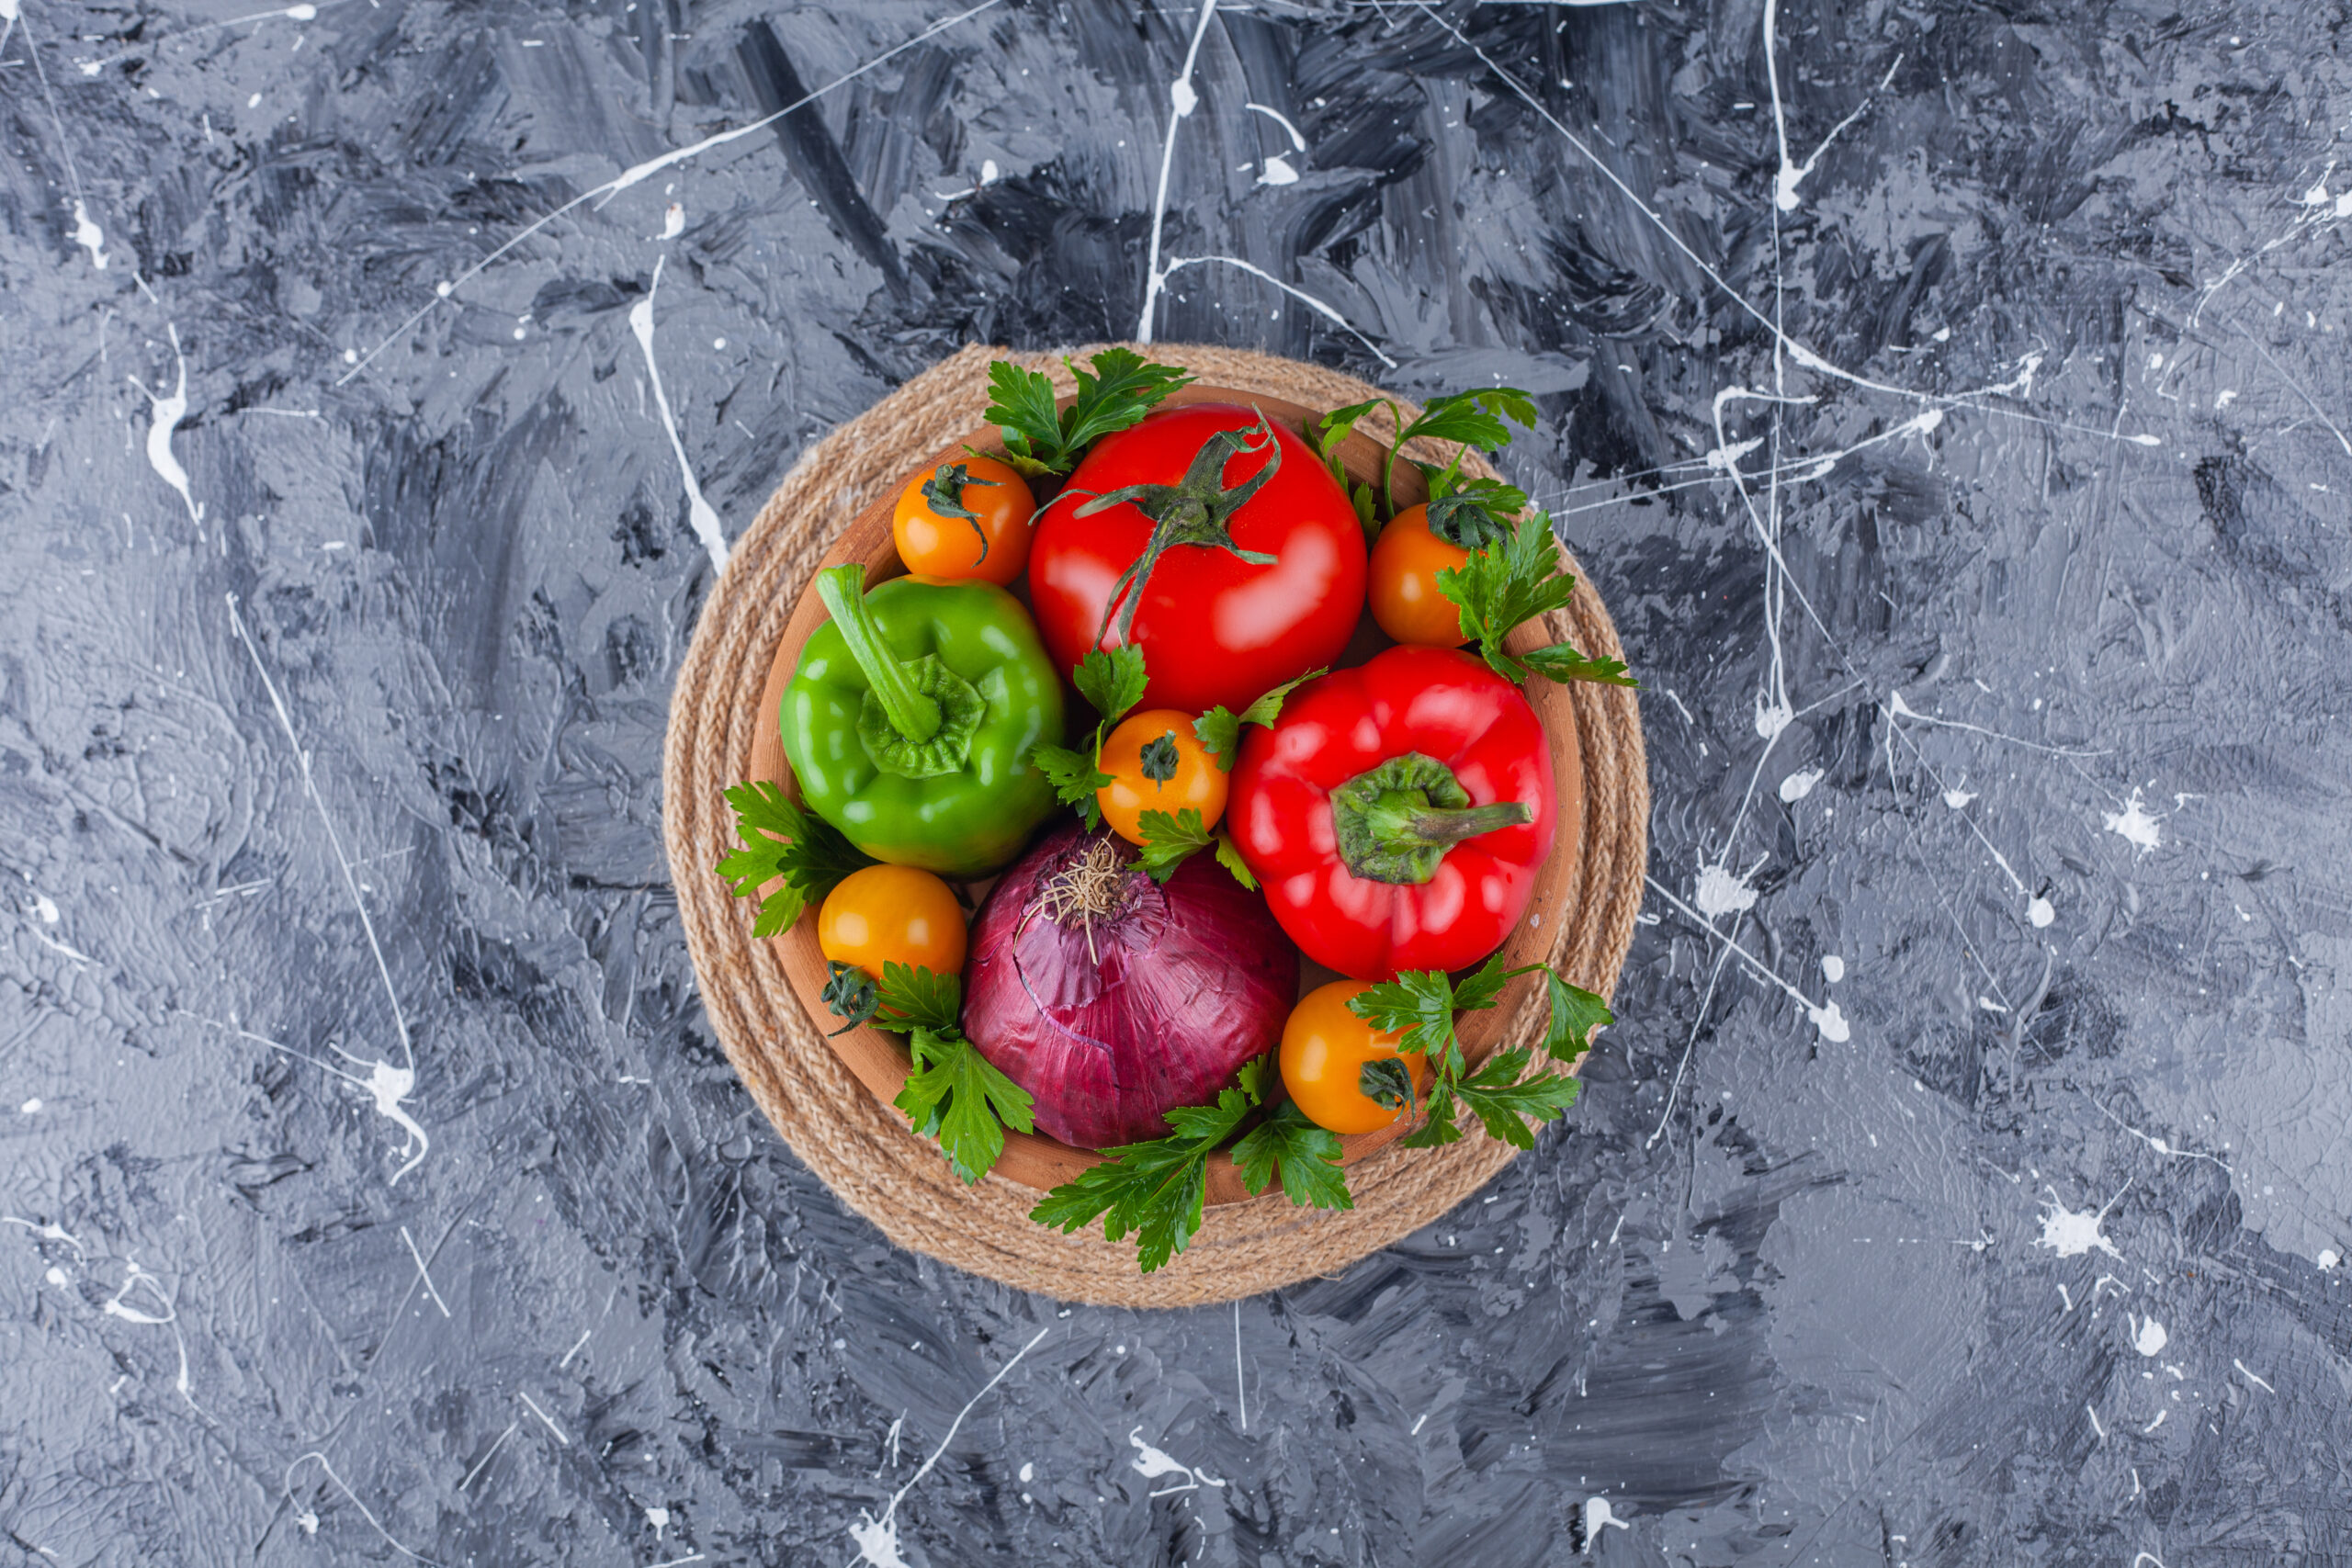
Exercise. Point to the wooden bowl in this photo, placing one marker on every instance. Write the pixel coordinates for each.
(880, 1060)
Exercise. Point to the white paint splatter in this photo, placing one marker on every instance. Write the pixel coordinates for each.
(1028, 1474)
(1304, 298)
(2070, 1232)
(46, 907)
(1773, 717)
(1152, 1463)
(2148, 1336)
(1598, 1518)
(706, 518)
(1277, 172)
(2134, 823)
(2327, 1259)
(2260, 1382)
(660, 1520)
(1721, 893)
(877, 1539)
(989, 174)
(89, 236)
(1958, 799)
(2037, 910)
(165, 416)
(1799, 784)
(308, 1521)
(423, 1273)
(1180, 94)
(1832, 966)
(673, 221)
(58, 1276)
(544, 1419)
(640, 173)
(1298, 142)
(1831, 1022)
(31, 1106)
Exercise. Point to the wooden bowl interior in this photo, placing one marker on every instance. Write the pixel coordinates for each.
(880, 1060)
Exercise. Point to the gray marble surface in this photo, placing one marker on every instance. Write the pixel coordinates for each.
(1951, 398)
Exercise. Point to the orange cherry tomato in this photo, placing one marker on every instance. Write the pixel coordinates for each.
(1403, 584)
(1324, 1049)
(1157, 764)
(892, 914)
(993, 543)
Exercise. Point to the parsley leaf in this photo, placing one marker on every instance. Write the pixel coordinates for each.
(1575, 1013)
(1075, 779)
(1419, 1003)
(1306, 1156)
(1473, 514)
(1170, 841)
(1517, 579)
(914, 997)
(1500, 1096)
(1229, 855)
(849, 993)
(1473, 418)
(1113, 682)
(1152, 1190)
(960, 1097)
(1219, 729)
(783, 839)
(1039, 438)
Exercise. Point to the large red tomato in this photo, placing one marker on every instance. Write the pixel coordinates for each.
(1214, 626)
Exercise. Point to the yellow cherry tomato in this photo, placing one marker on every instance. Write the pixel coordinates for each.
(1324, 1049)
(892, 914)
(1402, 585)
(935, 540)
(1157, 764)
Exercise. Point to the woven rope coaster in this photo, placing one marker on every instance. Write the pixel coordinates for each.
(863, 1148)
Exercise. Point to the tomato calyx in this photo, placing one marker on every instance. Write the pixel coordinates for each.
(943, 493)
(1395, 821)
(1386, 1081)
(1197, 511)
(849, 993)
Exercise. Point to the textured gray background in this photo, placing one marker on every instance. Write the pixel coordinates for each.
(2027, 1250)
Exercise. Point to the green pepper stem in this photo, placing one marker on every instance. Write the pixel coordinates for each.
(1397, 817)
(1395, 822)
(912, 714)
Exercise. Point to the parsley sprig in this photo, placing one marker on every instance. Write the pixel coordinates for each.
(1422, 1004)
(1114, 683)
(783, 839)
(1155, 1191)
(1041, 439)
(1472, 419)
(955, 1094)
(1516, 578)
(1219, 729)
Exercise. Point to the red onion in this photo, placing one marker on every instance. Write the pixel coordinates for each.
(1113, 999)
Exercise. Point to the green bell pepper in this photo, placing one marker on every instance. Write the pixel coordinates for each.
(913, 717)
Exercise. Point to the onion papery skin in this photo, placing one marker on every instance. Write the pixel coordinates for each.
(1184, 983)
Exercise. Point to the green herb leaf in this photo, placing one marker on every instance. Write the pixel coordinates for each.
(849, 993)
(1075, 779)
(1125, 386)
(1386, 1080)
(1229, 855)
(1041, 439)
(1501, 1098)
(1021, 406)
(1419, 1002)
(1219, 729)
(1561, 663)
(958, 1095)
(1252, 1077)
(1113, 681)
(1440, 1128)
(1158, 759)
(1170, 841)
(783, 839)
(1483, 987)
(1575, 1013)
(914, 997)
(1306, 1157)
(1474, 418)
(1152, 1190)
(1219, 732)
(1511, 581)
(1334, 428)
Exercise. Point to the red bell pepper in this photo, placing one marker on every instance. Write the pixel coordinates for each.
(1397, 812)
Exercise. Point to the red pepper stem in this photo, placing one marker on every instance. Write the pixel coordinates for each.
(910, 713)
(1395, 822)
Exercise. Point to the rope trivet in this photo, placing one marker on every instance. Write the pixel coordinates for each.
(863, 1148)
